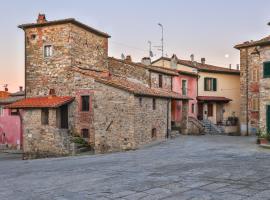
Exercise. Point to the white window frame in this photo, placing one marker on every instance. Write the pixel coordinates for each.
(50, 53)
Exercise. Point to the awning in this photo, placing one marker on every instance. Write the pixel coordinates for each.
(213, 99)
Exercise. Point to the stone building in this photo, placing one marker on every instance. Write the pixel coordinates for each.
(255, 91)
(74, 88)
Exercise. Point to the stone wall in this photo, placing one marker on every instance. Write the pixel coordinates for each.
(146, 119)
(113, 119)
(166, 81)
(72, 46)
(250, 60)
(43, 140)
(131, 71)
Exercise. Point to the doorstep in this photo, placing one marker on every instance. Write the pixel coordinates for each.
(265, 146)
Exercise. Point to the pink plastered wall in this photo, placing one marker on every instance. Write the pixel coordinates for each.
(10, 129)
(191, 92)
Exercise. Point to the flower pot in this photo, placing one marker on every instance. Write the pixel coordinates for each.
(263, 141)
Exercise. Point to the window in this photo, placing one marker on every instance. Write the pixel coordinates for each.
(140, 101)
(14, 112)
(266, 69)
(85, 133)
(160, 83)
(154, 104)
(184, 87)
(154, 133)
(45, 116)
(210, 110)
(210, 84)
(255, 104)
(48, 51)
(85, 103)
(192, 108)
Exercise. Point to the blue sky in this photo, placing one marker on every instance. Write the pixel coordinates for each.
(206, 28)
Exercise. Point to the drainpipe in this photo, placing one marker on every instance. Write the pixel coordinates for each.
(247, 93)
(168, 103)
(25, 64)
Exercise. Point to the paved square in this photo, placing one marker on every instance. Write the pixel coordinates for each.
(186, 168)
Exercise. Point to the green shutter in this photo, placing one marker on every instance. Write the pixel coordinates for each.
(205, 82)
(214, 84)
(266, 70)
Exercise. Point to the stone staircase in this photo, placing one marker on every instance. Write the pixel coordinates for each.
(196, 127)
(210, 128)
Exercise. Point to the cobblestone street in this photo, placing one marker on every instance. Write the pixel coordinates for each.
(203, 168)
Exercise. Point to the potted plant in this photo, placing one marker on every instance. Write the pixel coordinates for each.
(263, 137)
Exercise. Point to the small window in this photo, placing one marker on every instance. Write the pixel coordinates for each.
(154, 133)
(48, 51)
(140, 101)
(45, 116)
(210, 84)
(255, 104)
(154, 104)
(192, 108)
(33, 36)
(184, 87)
(266, 69)
(210, 110)
(160, 81)
(14, 112)
(85, 133)
(85, 103)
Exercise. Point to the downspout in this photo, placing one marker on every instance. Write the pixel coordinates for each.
(247, 93)
(168, 103)
(25, 64)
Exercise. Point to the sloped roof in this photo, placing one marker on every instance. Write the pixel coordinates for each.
(4, 94)
(129, 86)
(64, 21)
(263, 41)
(11, 99)
(149, 67)
(177, 71)
(42, 102)
(203, 67)
(213, 98)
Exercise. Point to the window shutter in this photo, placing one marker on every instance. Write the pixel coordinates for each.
(205, 84)
(214, 84)
(266, 70)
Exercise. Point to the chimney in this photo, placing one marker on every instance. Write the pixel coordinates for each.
(192, 57)
(203, 60)
(128, 58)
(238, 67)
(6, 89)
(146, 61)
(174, 61)
(41, 19)
(20, 88)
(52, 93)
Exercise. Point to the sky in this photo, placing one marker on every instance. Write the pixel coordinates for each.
(205, 28)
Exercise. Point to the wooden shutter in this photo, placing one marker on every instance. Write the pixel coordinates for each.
(205, 84)
(214, 84)
(266, 69)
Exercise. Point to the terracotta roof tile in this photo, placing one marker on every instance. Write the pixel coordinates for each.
(213, 98)
(149, 67)
(262, 41)
(63, 21)
(42, 102)
(127, 85)
(4, 94)
(203, 67)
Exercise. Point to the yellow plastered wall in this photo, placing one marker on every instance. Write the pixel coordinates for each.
(228, 85)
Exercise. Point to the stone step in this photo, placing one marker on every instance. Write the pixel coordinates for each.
(3, 146)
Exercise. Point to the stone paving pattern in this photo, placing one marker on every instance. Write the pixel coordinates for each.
(186, 168)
